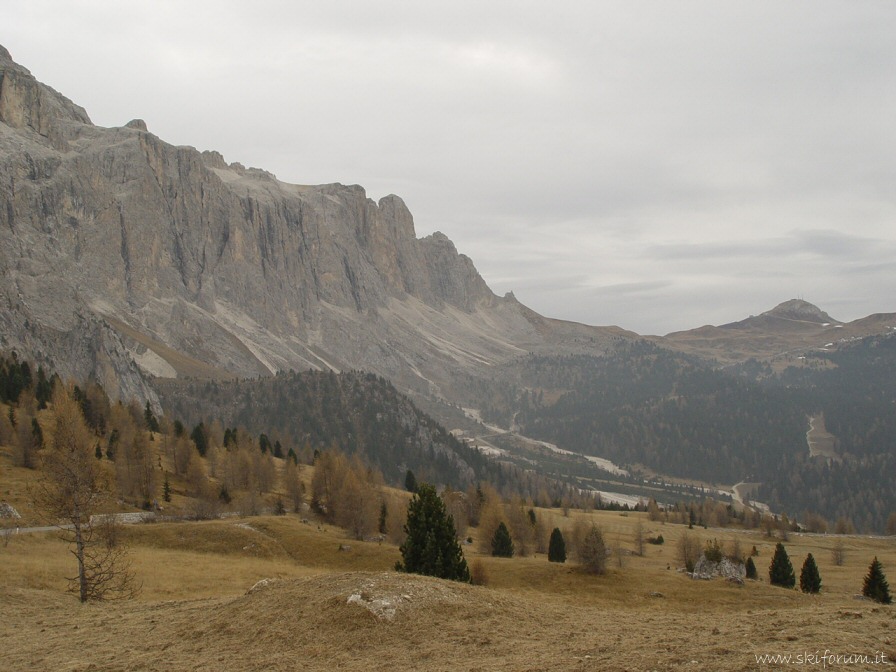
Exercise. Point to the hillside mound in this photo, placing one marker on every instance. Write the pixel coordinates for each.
(797, 309)
(352, 621)
(391, 621)
(388, 596)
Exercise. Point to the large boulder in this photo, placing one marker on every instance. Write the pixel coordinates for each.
(727, 569)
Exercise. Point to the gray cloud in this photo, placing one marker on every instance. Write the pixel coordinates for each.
(654, 165)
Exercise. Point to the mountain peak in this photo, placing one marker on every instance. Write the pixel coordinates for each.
(797, 309)
(25, 103)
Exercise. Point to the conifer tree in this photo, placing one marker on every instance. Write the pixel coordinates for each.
(200, 438)
(780, 572)
(750, 566)
(410, 481)
(810, 579)
(384, 513)
(431, 546)
(502, 544)
(149, 418)
(557, 547)
(876, 586)
(43, 390)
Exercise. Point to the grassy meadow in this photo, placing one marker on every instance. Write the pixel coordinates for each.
(336, 603)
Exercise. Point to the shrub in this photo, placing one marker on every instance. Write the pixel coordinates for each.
(478, 573)
(751, 569)
(713, 552)
(688, 550)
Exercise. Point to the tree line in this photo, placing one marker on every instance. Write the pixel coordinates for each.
(681, 416)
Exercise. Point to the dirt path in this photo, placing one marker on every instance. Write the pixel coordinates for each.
(821, 442)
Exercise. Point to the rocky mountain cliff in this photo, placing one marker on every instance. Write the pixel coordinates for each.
(126, 258)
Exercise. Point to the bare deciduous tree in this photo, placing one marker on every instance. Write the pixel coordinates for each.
(619, 553)
(639, 538)
(689, 550)
(522, 526)
(838, 553)
(292, 483)
(27, 443)
(329, 470)
(653, 510)
(844, 526)
(735, 552)
(491, 514)
(457, 506)
(72, 491)
(593, 552)
(398, 514)
(356, 504)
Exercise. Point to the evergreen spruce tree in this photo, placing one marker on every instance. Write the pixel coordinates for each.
(410, 481)
(780, 572)
(43, 390)
(751, 569)
(431, 546)
(37, 434)
(876, 586)
(152, 423)
(166, 489)
(502, 544)
(557, 547)
(384, 513)
(810, 579)
(200, 438)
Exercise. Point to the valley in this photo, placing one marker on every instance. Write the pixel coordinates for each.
(247, 424)
(172, 268)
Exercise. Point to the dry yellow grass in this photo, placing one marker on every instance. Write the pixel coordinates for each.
(194, 612)
(333, 607)
(15, 487)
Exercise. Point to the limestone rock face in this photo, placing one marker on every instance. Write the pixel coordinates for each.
(124, 258)
(728, 570)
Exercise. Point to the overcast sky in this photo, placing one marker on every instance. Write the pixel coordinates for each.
(656, 165)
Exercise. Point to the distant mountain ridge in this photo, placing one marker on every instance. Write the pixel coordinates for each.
(794, 310)
(784, 331)
(798, 309)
